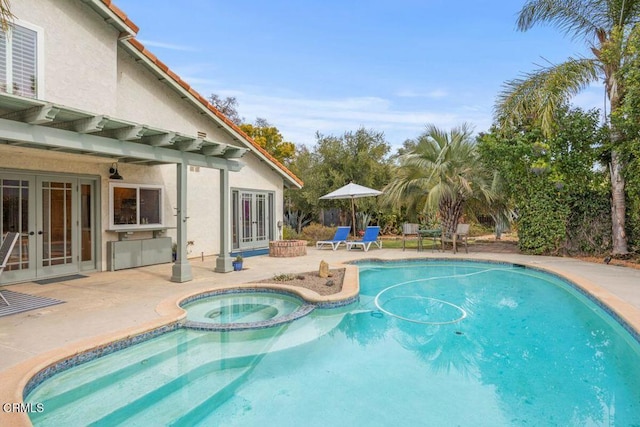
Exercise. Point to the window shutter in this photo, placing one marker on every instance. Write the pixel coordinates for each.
(24, 54)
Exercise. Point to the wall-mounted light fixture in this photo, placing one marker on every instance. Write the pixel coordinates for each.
(113, 170)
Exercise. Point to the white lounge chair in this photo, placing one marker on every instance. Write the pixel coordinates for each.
(340, 237)
(370, 236)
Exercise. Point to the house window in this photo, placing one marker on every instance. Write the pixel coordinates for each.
(135, 206)
(19, 61)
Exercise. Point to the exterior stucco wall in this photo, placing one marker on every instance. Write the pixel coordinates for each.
(31, 161)
(203, 207)
(85, 69)
(79, 53)
(145, 99)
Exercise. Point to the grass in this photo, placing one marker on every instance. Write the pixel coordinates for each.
(427, 244)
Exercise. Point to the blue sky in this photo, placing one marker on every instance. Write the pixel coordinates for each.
(337, 65)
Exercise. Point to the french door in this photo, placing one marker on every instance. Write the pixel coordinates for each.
(252, 213)
(46, 210)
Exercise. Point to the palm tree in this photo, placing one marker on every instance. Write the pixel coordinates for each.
(5, 15)
(441, 173)
(605, 25)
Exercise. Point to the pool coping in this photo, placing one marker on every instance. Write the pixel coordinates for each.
(16, 379)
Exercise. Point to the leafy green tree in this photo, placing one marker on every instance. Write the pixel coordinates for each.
(360, 157)
(444, 174)
(627, 117)
(270, 138)
(605, 25)
(562, 200)
(300, 205)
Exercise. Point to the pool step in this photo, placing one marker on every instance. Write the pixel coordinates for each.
(146, 377)
(211, 380)
(102, 394)
(76, 383)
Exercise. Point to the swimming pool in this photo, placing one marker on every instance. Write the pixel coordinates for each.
(429, 343)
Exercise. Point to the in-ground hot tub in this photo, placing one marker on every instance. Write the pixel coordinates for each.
(243, 309)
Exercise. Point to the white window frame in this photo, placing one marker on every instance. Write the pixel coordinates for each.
(138, 225)
(39, 57)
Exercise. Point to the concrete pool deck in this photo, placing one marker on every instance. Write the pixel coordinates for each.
(107, 305)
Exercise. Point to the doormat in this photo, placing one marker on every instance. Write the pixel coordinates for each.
(18, 302)
(59, 279)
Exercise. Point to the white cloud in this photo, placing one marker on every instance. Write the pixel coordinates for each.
(433, 94)
(168, 46)
(299, 117)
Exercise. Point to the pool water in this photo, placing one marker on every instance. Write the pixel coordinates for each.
(429, 343)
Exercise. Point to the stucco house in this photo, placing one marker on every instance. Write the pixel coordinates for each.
(107, 157)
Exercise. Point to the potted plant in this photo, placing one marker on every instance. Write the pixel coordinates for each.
(237, 263)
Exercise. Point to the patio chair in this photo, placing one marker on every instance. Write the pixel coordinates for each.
(5, 252)
(409, 231)
(370, 236)
(461, 235)
(340, 237)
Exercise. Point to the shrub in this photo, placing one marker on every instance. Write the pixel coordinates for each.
(315, 232)
(283, 277)
(542, 225)
(289, 233)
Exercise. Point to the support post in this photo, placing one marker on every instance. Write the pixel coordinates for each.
(181, 268)
(224, 260)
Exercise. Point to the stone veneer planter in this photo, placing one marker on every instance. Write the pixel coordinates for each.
(287, 248)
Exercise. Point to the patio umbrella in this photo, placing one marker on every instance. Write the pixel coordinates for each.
(351, 191)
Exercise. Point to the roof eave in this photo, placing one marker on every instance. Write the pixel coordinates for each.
(137, 49)
(115, 17)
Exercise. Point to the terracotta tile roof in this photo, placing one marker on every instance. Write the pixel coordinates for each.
(115, 9)
(163, 67)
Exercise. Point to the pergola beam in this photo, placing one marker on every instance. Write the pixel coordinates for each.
(37, 115)
(18, 133)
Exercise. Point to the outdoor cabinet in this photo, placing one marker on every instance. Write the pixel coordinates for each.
(123, 254)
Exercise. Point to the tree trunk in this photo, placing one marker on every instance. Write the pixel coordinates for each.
(618, 205)
(450, 211)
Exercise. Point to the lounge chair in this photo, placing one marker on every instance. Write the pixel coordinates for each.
(5, 252)
(340, 237)
(370, 236)
(461, 235)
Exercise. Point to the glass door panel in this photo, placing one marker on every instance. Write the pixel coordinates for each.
(57, 236)
(56, 218)
(261, 217)
(253, 219)
(87, 230)
(247, 217)
(16, 198)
